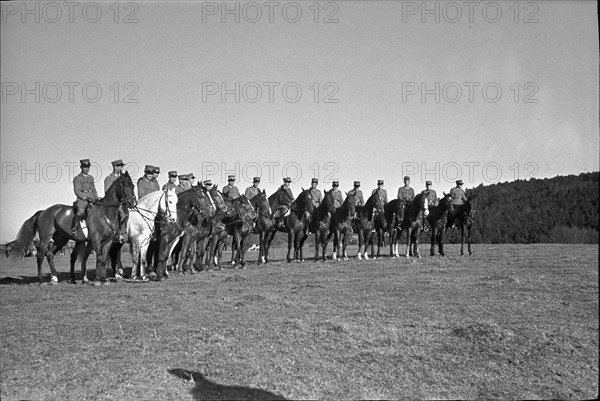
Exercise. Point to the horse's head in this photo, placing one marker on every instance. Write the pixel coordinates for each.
(125, 190)
(328, 202)
(201, 201)
(469, 212)
(378, 201)
(168, 204)
(445, 204)
(244, 209)
(304, 201)
(217, 197)
(350, 203)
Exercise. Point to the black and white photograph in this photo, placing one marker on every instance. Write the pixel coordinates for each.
(309, 199)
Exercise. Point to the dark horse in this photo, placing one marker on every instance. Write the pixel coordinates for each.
(320, 222)
(53, 226)
(239, 226)
(218, 232)
(380, 226)
(341, 223)
(413, 213)
(394, 215)
(295, 224)
(365, 221)
(195, 210)
(265, 223)
(438, 221)
(464, 216)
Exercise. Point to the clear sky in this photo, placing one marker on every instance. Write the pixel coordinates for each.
(347, 90)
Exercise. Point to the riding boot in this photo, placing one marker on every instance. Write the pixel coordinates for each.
(76, 220)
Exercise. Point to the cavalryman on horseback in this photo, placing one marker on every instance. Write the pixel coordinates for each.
(147, 183)
(170, 185)
(253, 190)
(283, 201)
(458, 197)
(431, 196)
(184, 184)
(230, 190)
(406, 193)
(381, 190)
(118, 169)
(85, 191)
(315, 193)
(360, 201)
(337, 194)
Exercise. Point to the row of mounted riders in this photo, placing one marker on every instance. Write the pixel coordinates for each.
(198, 222)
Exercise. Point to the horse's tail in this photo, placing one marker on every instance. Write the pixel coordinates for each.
(22, 244)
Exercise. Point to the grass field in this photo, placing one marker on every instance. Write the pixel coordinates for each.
(511, 321)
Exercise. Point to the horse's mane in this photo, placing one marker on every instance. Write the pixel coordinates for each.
(149, 199)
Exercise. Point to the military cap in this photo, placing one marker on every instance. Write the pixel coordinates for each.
(256, 179)
(172, 173)
(148, 169)
(357, 183)
(379, 182)
(287, 179)
(84, 163)
(207, 183)
(459, 182)
(190, 175)
(406, 178)
(183, 177)
(427, 182)
(156, 170)
(336, 183)
(117, 163)
(314, 181)
(231, 178)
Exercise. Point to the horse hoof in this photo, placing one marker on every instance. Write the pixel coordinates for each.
(96, 283)
(145, 278)
(106, 283)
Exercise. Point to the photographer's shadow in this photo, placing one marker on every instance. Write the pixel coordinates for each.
(207, 390)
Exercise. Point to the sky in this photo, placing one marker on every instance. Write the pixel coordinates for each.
(485, 92)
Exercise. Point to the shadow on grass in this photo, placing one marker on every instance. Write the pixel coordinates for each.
(207, 390)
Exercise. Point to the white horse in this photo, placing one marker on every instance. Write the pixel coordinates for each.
(140, 226)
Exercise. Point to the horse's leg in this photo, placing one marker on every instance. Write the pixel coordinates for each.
(242, 248)
(416, 233)
(144, 256)
(290, 242)
(469, 240)
(40, 259)
(408, 240)
(317, 242)
(434, 239)
(73, 260)
(360, 233)
(462, 239)
(87, 248)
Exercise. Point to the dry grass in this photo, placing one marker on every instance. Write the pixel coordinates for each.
(509, 322)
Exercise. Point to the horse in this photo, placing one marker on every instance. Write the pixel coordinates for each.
(412, 223)
(464, 216)
(296, 223)
(341, 224)
(195, 209)
(438, 221)
(217, 234)
(53, 226)
(170, 233)
(161, 205)
(364, 222)
(394, 215)
(240, 225)
(380, 226)
(265, 223)
(320, 222)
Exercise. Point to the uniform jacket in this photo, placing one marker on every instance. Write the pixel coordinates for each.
(360, 201)
(251, 192)
(316, 196)
(83, 186)
(406, 194)
(169, 186)
(458, 196)
(231, 191)
(338, 199)
(182, 188)
(146, 186)
(431, 196)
